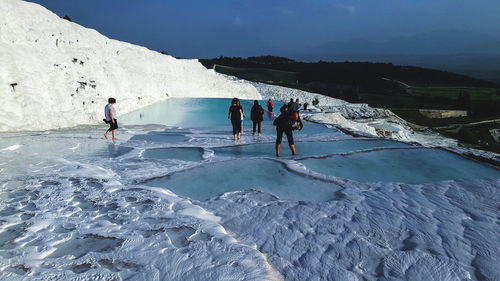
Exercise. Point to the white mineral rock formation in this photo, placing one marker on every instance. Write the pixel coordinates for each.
(55, 73)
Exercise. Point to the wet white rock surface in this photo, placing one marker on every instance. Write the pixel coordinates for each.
(74, 206)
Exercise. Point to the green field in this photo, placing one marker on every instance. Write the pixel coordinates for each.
(451, 92)
(259, 74)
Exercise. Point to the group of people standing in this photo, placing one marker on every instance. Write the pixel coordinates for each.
(287, 121)
(236, 114)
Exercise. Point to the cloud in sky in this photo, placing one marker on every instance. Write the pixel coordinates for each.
(350, 9)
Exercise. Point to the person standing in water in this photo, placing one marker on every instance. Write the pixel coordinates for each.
(284, 125)
(110, 114)
(294, 109)
(242, 116)
(235, 113)
(296, 105)
(270, 105)
(256, 116)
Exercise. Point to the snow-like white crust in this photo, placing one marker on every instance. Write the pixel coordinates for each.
(73, 211)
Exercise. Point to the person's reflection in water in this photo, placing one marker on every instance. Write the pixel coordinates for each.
(113, 150)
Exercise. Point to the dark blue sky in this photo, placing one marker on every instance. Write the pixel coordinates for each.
(203, 28)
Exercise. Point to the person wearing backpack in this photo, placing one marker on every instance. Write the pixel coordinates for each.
(284, 124)
(270, 105)
(256, 116)
(294, 108)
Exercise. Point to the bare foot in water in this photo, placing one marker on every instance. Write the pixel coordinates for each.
(106, 135)
(115, 139)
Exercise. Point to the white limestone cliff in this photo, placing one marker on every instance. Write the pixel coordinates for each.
(55, 73)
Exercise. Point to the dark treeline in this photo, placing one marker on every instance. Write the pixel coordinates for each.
(354, 73)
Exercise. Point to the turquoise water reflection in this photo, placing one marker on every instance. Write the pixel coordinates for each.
(191, 113)
(305, 148)
(320, 149)
(209, 180)
(402, 165)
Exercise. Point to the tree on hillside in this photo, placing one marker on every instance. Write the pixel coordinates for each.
(270, 59)
(463, 100)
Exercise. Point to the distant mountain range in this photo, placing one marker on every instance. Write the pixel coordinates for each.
(469, 53)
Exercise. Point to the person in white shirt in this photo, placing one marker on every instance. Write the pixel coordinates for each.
(110, 113)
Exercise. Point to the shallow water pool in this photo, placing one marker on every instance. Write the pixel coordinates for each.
(181, 153)
(213, 179)
(190, 113)
(320, 149)
(305, 148)
(412, 166)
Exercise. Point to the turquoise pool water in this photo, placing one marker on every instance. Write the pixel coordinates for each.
(199, 135)
(191, 113)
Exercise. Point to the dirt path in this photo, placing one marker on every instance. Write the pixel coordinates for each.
(469, 124)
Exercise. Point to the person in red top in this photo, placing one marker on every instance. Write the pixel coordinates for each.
(270, 105)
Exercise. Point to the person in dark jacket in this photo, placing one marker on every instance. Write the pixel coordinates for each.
(235, 114)
(284, 124)
(256, 116)
(283, 107)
